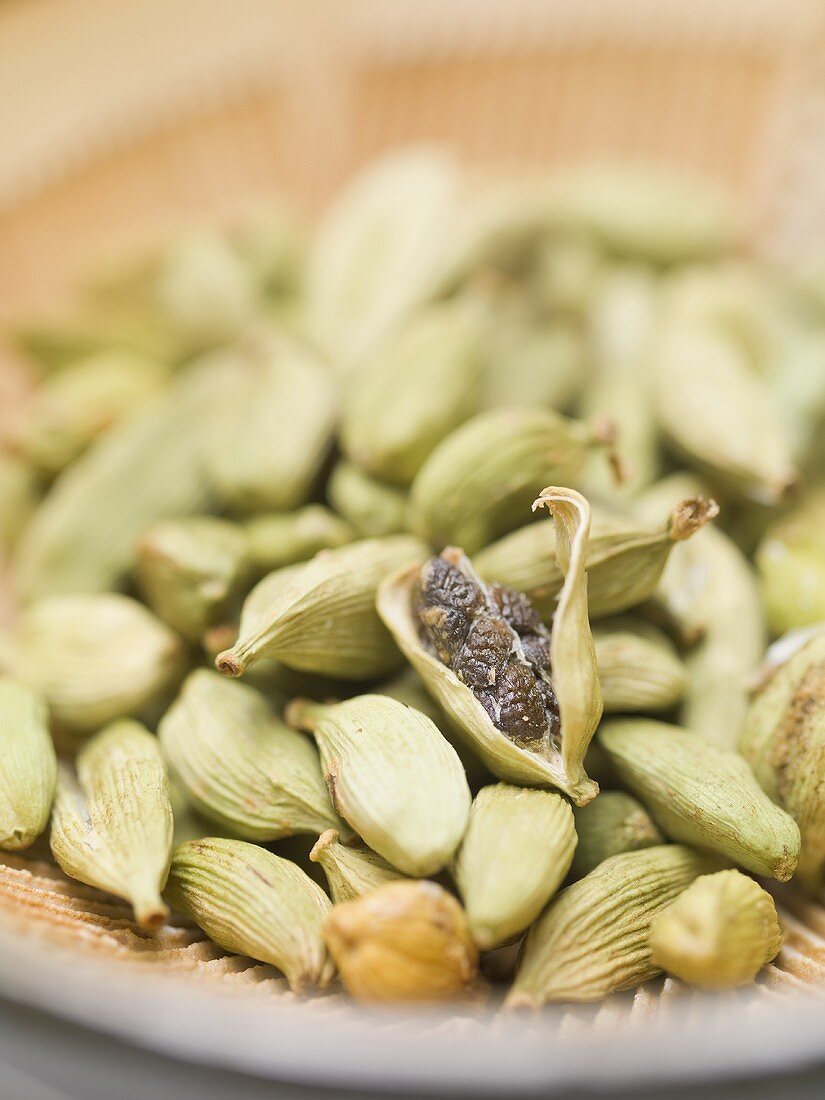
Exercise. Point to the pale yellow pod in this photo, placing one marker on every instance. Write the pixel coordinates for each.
(320, 616)
(572, 659)
(112, 827)
(28, 769)
(514, 856)
(19, 495)
(239, 765)
(405, 941)
(352, 870)
(790, 561)
(95, 658)
(593, 938)
(719, 933)
(639, 668)
(700, 794)
(253, 902)
(392, 776)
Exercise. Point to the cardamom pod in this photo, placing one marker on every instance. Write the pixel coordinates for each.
(610, 824)
(28, 768)
(320, 616)
(639, 668)
(593, 938)
(709, 587)
(392, 776)
(480, 479)
(372, 507)
(190, 571)
(405, 941)
(278, 426)
(239, 765)
(112, 828)
(719, 933)
(530, 362)
(783, 739)
(83, 536)
(564, 702)
(791, 564)
(18, 500)
(69, 410)
(253, 902)
(420, 384)
(377, 253)
(564, 276)
(718, 412)
(700, 794)
(277, 539)
(514, 856)
(351, 870)
(624, 560)
(95, 658)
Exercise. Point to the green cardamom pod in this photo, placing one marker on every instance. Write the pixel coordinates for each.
(420, 384)
(72, 408)
(277, 539)
(28, 769)
(609, 825)
(392, 776)
(190, 571)
(710, 589)
(639, 668)
(377, 252)
(19, 496)
(83, 536)
(718, 411)
(239, 765)
(372, 507)
(320, 616)
(576, 707)
(352, 870)
(514, 856)
(625, 560)
(593, 938)
(405, 941)
(791, 564)
(530, 362)
(700, 794)
(278, 427)
(565, 275)
(479, 481)
(253, 902)
(783, 740)
(112, 828)
(95, 658)
(719, 933)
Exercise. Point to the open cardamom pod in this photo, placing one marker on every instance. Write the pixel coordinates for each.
(405, 941)
(700, 794)
(639, 668)
(191, 570)
(371, 506)
(352, 870)
(420, 384)
(527, 702)
(514, 856)
(479, 481)
(95, 658)
(253, 902)
(783, 739)
(719, 933)
(112, 827)
(320, 616)
(624, 559)
(593, 938)
(610, 824)
(392, 776)
(28, 769)
(278, 427)
(239, 765)
(276, 539)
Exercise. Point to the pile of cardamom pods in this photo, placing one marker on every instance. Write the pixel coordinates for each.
(408, 534)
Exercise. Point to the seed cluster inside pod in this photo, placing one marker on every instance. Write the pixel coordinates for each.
(495, 642)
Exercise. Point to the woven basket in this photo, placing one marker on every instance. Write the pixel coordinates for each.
(121, 120)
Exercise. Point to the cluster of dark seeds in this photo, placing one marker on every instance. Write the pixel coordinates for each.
(495, 642)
